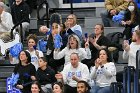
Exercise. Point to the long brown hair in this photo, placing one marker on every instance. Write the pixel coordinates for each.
(60, 84)
(39, 86)
(32, 36)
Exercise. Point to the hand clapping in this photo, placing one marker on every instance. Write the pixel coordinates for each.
(98, 63)
(126, 45)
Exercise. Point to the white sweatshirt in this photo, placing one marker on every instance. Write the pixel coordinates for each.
(84, 53)
(81, 72)
(104, 76)
(131, 54)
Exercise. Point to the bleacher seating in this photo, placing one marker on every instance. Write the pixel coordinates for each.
(5, 71)
(87, 17)
(82, 1)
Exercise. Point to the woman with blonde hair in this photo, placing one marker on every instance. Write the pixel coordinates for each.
(73, 45)
(72, 26)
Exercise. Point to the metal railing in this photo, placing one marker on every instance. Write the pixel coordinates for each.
(20, 32)
(46, 15)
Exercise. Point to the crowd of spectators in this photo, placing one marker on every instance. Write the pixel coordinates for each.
(82, 1)
(71, 60)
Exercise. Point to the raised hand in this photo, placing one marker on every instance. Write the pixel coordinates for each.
(113, 12)
(126, 45)
(87, 43)
(97, 63)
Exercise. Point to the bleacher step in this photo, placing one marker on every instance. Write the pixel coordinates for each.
(99, 10)
(106, 30)
(120, 67)
(5, 74)
(90, 22)
(2, 82)
(2, 89)
(6, 68)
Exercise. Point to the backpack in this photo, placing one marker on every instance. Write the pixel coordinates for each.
(114, 39)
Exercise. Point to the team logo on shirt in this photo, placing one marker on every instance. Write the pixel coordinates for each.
(34, 59)
(99, 71)
(77, 74)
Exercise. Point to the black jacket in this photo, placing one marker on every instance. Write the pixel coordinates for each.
(20, 12)
(46, 76)
(25, 73)
(102, 41)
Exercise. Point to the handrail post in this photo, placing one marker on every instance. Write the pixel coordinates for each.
(21, 33)
(46, 16)
(47, 12)
(71, 6)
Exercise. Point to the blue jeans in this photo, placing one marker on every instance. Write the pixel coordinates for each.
(97, 89)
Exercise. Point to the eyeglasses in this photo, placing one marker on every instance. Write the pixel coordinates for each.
(69, 18)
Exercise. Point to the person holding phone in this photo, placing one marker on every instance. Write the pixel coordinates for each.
(130, 50)
(97, 41)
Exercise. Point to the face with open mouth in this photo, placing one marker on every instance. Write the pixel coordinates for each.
(73, 42)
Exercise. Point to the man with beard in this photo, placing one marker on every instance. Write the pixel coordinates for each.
(83, 87)
(130, 51)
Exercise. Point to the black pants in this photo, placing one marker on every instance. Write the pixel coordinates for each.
(69, 89)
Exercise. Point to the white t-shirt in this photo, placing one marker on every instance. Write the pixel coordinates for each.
(34, 57)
